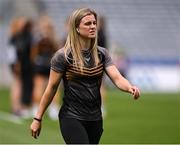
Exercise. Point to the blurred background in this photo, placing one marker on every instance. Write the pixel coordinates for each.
(147, 31)
(143, 37)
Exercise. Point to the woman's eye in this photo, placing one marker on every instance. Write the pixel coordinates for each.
(90, 23)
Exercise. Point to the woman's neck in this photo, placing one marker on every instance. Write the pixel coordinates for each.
(85, 43)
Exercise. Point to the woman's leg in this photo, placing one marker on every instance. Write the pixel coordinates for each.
(73, 131)
(94, 130)
(16, 95)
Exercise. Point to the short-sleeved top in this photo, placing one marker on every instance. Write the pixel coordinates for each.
(82, 98)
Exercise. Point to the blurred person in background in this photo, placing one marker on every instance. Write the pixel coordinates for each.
(16, 27)
(45, 45)
(21, 39)
(102, 41)
(102, 37)
(81, 64)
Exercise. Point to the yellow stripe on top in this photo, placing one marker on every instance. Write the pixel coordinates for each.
(97, 70)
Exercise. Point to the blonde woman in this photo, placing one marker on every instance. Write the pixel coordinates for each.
(45, 45)
(81, 64)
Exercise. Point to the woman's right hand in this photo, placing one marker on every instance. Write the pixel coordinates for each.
(35, 128)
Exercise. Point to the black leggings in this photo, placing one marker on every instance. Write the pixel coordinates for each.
(81, 132)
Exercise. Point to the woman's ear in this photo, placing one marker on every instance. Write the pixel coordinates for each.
(77, 29)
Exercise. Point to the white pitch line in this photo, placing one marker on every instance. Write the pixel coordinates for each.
(11, 118)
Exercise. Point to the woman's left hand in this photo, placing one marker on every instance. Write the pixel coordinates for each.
(135, 92)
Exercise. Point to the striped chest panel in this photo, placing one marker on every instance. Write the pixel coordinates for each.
(74, 72)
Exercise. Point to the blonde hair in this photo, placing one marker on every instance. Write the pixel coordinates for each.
(73, 39)
(45, 27)
(17, 25)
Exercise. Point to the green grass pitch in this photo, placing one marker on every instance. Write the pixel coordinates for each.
(153, 119)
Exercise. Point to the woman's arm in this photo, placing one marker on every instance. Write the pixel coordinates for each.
(54, 80)
(122, 83)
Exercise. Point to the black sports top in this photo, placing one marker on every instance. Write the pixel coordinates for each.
(82, 98)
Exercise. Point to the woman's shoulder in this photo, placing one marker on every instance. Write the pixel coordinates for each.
(59, 53)
(102, 50)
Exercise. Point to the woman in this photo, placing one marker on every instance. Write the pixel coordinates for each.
(45, 45)
(80, 64)
(16, 28)
(21, 40)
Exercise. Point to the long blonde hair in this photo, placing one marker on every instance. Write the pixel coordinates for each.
(73, 44)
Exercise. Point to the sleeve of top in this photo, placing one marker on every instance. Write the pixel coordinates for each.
(58, 62)
(108, 59)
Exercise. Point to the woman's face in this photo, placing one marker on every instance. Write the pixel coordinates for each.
(87, 27)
